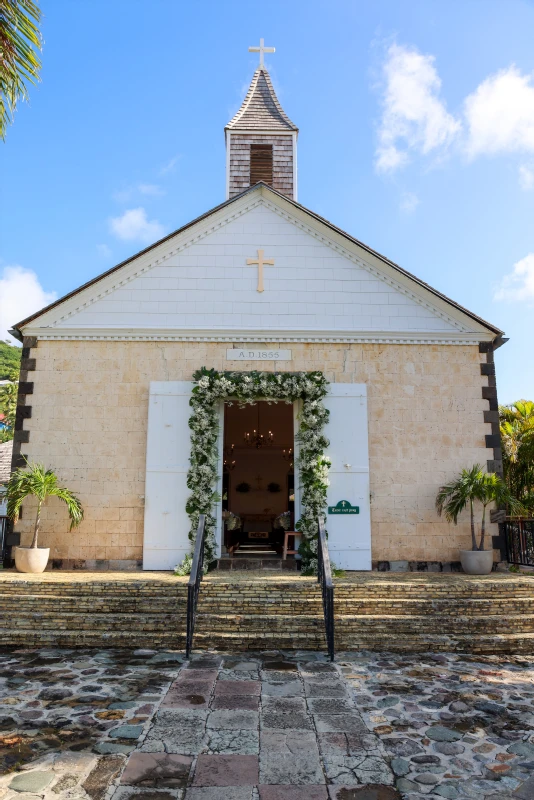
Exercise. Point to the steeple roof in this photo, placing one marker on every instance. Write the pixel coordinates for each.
(261, 110)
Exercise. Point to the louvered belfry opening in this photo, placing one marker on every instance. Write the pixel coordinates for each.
(261, 142)
(261, 163)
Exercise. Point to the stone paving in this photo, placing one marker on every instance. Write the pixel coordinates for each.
(147, 725)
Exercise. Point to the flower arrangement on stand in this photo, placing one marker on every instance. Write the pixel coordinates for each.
(246, 388)
(233, 521)
(283, 521)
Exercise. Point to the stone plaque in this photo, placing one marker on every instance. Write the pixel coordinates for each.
(246, 354)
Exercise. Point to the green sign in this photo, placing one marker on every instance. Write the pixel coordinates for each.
(343, 507)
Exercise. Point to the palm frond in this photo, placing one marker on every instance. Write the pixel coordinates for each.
(517, 437)
(20, 39)
(74, 506)
(453, 498)
(36, 480)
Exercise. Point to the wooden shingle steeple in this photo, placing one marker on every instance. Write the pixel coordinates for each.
(261, 141)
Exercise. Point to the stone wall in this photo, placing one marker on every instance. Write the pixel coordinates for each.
(89, 418)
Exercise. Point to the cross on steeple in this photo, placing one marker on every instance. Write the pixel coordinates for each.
(261, 50)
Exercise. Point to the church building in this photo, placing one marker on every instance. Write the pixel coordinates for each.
(258, 284)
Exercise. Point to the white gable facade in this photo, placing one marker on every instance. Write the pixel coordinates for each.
(319, 289)
(107, 373)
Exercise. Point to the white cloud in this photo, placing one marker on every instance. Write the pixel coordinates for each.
(409, 202)
(151, 189)
(134, 225)
(104, 251)
(500, 114)
(526, 176)
(413, 115)
(170, 166)
(21, 295)
(125, 195)
(518, 284)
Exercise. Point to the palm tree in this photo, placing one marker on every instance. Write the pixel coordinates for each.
(19, 63)
(517, 436)
(454, 496)
(474, 485)
(35, 480)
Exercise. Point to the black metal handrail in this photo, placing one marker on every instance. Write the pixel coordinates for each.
(324, 577)
(520, 541)
(193, 586)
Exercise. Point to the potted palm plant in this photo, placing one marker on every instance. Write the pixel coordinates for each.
(474, 486)
(35, 480)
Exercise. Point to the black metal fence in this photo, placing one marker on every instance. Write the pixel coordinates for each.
(520, 541)
(4, 522)
(197, 570)
(324, 577)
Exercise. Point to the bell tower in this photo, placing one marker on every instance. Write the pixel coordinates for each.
(261, 140)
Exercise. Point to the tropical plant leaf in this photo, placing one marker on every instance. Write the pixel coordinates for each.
(34, 480)
(20, 39)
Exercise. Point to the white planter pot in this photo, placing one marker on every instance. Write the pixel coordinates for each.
(31, 559)
(477, 562)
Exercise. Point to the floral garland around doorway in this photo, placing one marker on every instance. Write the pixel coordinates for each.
(245, 388)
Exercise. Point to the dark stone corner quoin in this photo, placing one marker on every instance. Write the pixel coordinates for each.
(21, 435)
(491, 417)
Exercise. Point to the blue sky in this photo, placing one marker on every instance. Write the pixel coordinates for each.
(416, 136)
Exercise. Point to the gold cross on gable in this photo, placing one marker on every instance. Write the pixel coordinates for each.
(261, 261)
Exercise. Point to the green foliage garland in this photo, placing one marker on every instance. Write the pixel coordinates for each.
(245, 388)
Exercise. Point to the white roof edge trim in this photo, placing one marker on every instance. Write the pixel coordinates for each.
(258, 335)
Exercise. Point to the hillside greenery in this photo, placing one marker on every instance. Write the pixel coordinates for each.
(9, 361)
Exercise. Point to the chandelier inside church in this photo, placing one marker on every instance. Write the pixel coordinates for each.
(258, 439)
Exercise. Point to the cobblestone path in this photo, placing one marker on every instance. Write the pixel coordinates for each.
(145, 725)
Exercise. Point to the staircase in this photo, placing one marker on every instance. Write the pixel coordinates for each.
(257, 556)
(71, 612)
(436, 613)
(270, 610)
(260, 614)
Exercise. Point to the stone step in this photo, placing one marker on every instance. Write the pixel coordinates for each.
(424, 643)
(402, 591)
(103, 605)
(90, 638)
(258, 641)
(69, 620)
(362, 625)
(236, 603)
(32, 588)
(414, 625)
(244, 640)
(254, 623)
(256, 562)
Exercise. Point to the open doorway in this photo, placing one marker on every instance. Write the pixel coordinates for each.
(258, 479)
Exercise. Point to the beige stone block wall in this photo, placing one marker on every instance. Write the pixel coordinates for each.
(89, 421)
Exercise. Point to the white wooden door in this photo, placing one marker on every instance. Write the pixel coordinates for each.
(167, 524)
(349, 535)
